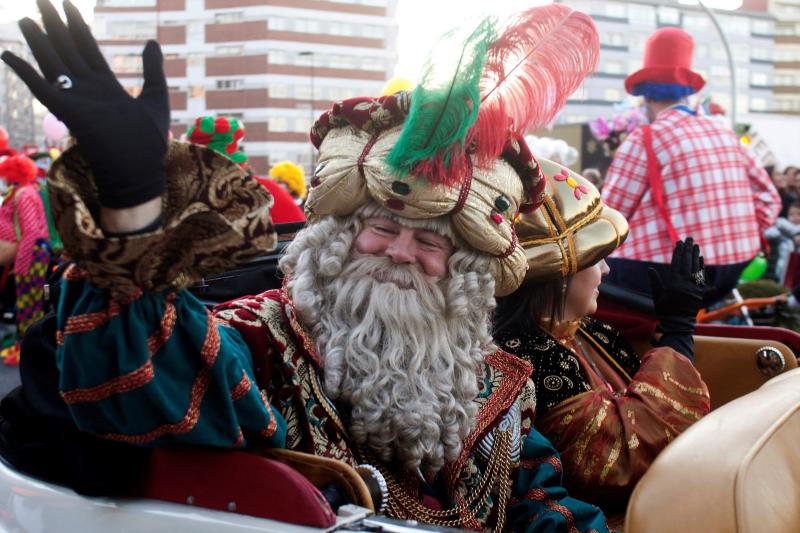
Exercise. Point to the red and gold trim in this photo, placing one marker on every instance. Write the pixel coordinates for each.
(268, 431)
(134, 379)
(208, 353)
(532, 464)
(515, 372)
(241, 388)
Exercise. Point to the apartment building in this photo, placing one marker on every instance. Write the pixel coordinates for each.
(787, 55)
(16, 101)
(275, 64)
(625, 25)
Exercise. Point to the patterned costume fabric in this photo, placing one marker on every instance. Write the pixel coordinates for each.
(714, 191)
(608, 435)
(254, 344)
(142, 361)
(29, 288)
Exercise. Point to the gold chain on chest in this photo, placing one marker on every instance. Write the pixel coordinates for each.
(497, 475)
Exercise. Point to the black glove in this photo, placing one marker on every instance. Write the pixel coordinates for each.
(123, 138)
(678, 302)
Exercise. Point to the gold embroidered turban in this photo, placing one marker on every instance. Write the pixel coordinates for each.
(571, 230)
(354, 139)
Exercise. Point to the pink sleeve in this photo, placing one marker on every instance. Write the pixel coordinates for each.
(7, 232)
(626, 179)
(32, 225)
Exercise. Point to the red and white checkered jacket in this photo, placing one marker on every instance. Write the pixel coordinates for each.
(713, 188)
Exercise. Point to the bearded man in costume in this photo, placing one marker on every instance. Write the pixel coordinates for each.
(377, 352)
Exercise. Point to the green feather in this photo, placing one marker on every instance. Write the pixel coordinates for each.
(444, 106)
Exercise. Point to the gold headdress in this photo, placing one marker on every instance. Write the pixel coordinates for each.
(571, 230)
(454, 147)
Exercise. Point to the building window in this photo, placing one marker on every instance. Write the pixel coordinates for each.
(612, 95)
(302, 125)
(698, 21)
(226, 18)
(339, 61)
(611, 66)
(230, 84)
(613, 38)
(641, 15)
(373, 63)
(637, 41)
(668, 15)
(373, 32)
(306, 26)
(760, 52)
(613, 9)
(735, 25)
(277, 57)
(132, 30)
(759, 78)
(126, 63)
(278, 124)
(762, 27)
(787, 54)
(278, 23)
(278, 90)
(720, 75)
(230, 50)
(758, 104)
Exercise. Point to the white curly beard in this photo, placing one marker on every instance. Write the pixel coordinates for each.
(401, 349)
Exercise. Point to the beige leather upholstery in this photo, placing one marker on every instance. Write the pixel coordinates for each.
(729, 366)
(737, 470)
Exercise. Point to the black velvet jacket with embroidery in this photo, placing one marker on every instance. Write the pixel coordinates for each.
(556, 371)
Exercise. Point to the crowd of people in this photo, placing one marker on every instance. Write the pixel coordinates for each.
(433, 329)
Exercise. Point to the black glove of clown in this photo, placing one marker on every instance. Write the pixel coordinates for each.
(678, 302)
(123, 138)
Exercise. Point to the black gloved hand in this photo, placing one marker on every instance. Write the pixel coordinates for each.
(678, 302)
(123, 138)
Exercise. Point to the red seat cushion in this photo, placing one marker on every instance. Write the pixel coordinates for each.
(236, 481)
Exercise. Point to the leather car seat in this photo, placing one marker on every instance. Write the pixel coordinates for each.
(735, 471)
(733, 367)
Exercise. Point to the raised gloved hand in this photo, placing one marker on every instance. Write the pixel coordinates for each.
(678, 301)
(123, 138)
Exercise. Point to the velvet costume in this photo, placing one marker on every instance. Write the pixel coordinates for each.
(608, 428)
(142, 361)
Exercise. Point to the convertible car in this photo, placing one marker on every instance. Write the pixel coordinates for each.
(736, 470)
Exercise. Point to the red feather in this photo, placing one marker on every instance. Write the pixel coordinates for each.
(540, 59)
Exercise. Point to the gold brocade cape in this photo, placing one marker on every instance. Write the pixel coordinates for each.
(607, 439)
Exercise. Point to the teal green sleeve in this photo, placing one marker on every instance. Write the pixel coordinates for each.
(158, 369)
(539, 501)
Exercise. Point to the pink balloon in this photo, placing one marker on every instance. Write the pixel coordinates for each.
(54, 129)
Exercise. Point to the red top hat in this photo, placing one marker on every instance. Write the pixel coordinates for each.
(667, 59)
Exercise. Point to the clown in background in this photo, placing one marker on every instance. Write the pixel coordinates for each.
(223, 134)
(24, 242)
